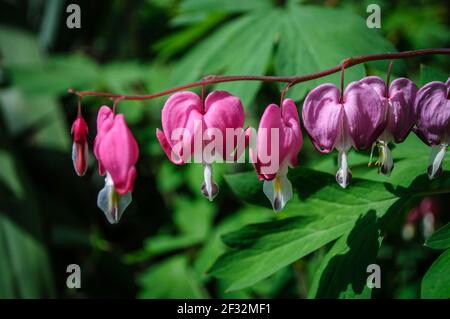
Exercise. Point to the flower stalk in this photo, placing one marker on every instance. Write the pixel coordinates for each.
(214, 79)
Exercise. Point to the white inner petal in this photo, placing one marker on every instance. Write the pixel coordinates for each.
(111, 203)
(209, 188)
(387, 161)
(343, 175)
(74, 156)
(436, 158)
(428, 225)
(278, 191)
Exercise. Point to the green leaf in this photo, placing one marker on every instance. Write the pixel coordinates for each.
(311, 42)
(197, 11)
(440, 239)
(421, 26)
(24, 262)
(342, 272)
(194, 217)
(171, 278)
(231, 6)
(25, 268)
(319, 213)
(40, 116)
(55, 75)
(214, 247)
(261, 249)
(18, 48)
(429, 74)
(436, 282)
(176, 42)
(242, 46)
(168, 177)
(161, 244)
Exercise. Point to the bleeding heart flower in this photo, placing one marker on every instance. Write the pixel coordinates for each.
(356, 121)
(428, 212)
(80, 151)
(409, 228)
(400, 116)
(203, 133)
(117, 152)
(432, 108)
(278, 142)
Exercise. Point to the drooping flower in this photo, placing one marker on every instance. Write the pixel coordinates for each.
(409, 228)
(400, 116)
(427, 212)
(117, 153)
(355, 121)
(432, 109)
(278, 142)
(430, 210)
(80, 151)
(201, 133)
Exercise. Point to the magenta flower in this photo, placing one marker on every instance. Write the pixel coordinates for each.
(117, 153)
(202, 133)
(80, 151)
(432, 108)
(356, 121)
(400, 116)
(278, 143)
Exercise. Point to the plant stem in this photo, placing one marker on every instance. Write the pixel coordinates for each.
(388, 78)
(292, 80)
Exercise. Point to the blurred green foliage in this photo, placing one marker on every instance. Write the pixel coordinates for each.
(171, 242)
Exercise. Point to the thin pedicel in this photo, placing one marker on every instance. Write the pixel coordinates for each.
(292, 80)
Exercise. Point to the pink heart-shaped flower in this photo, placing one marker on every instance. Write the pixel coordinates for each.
(185, 122)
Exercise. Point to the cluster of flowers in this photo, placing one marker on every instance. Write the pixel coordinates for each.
(367, 113)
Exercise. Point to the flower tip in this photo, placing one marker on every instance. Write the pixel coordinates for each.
(278, 191)
(436, 159)
(210, 193)
(385, 170)
(209, 187)
(343, 178)
(432, 174)
(277, 205)
(112, 203)
(408, 231)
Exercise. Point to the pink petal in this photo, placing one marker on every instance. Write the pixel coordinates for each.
(168, 148)
(79, 130)
(105, 120)
(365, 113)
(376, 83)
(402, 93)
(293, 138)
(182, 113)
(118, 153)
(271, 118)
(80, 146)
(289, 139)
(429, 205)
(433, 112)
(323, 116)
(224, 111)
(413, 215)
